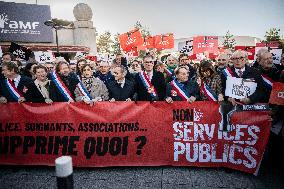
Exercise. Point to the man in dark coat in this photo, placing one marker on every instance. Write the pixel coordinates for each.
(241, 70)
(268, 72)
(17, 88)
(150, 85)
(63, 84)
(181, 89)
(122, 89)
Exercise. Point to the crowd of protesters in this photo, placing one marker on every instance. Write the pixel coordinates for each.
(141, 79)
(146, 79)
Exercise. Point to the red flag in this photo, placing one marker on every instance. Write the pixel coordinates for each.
(164, 41)
(249, 49)
(205, 43)
(130, 39)
(148, 43)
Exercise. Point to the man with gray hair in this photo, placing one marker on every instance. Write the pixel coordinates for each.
(104, 73)
(121, 89)
(241, 70)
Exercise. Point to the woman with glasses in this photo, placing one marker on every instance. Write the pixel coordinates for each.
(209, 82)
(95, 89)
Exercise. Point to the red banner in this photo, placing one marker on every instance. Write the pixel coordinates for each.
(127, 134)
(148, 43)
(164, 41)
(277, 94)
(130, 40)
(249, 49)
(205, 43)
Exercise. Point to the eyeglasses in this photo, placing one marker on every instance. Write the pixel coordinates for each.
(134, 65)
(219, 60)
(183, 60)
(238, 58)
(148, 61)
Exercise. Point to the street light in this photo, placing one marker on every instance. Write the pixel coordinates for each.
(52, 24)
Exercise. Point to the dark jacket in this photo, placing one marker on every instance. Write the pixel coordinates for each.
(250, 73)
(121, 94)
(70, 82)
(158, 81)
(190, 87)
(26, 87)
(106, 78)
(273, 74)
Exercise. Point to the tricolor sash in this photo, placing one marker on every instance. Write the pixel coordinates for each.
(181, 92)
(208, 92)
(13, 89)
(147, 83)
(83, 89)
(228, 72)
(168, 71)
(61, 87)
(268, 82)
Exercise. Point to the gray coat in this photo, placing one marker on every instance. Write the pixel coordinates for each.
(95, 87)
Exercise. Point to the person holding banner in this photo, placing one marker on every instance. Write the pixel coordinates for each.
(181, 89)
(94, 89)
(209, 82)
(15, 87)
(65, 83)
(248, 74)
(150, 85)
(268, 71)
(42, 82)
(122, 89)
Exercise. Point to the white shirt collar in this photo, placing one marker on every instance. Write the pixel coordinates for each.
(242, 69)
(122, 83)
(17, 80)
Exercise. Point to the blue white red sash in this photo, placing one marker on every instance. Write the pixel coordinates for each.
(228, 72)
(61, 86)
(268, 82)
(208, 92)
(181, 92)
(147, 83)
(13, 90)
(83, 89)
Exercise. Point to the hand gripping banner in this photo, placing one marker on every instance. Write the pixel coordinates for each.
(127, 134)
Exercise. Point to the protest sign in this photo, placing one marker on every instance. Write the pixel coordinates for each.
(239, 88)
(186, 47)
(42, 57)
(20, 51)
(127, 134)
(205, 43)
(249, 49)
(164, 41)
(130, 40)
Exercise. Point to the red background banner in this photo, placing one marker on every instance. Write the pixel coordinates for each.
(277, 94)
(129, 134)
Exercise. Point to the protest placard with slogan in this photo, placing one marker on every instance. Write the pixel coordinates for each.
(239, 88)
(42, 57)
(127, 134)
(205, 43)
